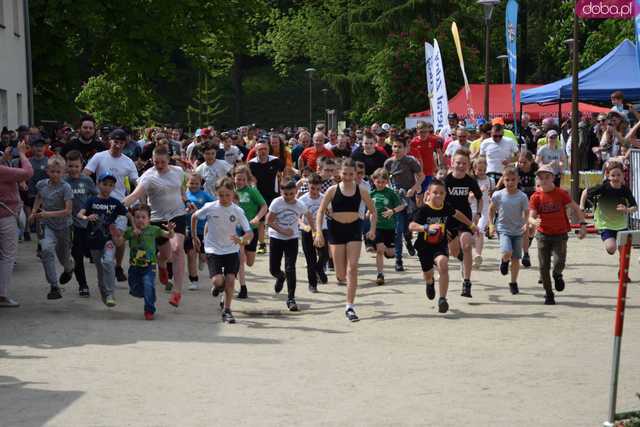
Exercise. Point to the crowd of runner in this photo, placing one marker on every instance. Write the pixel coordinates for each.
(216, 200)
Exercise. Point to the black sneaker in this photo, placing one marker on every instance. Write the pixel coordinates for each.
(215, 291)
(514, 288)
(120, 276)
(243, 294)
(227, 317)
(431, 290)
(279, 284)
(313, 289)
(322, 277)
(291, 305)
(526, 260)
(558, 283)
(84, 291)
(410, 249)
(466, 289)
(54, 293)
(65, 277)
(380, 279)
(443, 305)
(504, 268)
(351, 315)
(549, 299)
(399, 266)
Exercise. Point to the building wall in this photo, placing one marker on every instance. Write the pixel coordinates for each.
(13, 68)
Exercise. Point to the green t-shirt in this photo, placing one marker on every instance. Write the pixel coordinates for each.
(382, 200)
(142, 248)
(250, 201)
(607, 199)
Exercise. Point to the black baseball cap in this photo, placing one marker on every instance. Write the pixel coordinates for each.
(452, 116)
(118, 134)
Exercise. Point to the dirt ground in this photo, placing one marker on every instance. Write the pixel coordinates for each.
(494, 360)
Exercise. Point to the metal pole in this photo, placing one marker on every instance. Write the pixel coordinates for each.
(486, 70)
(619, 323)
(575, 139)
(27, 41)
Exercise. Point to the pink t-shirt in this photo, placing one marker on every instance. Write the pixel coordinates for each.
(9, 179)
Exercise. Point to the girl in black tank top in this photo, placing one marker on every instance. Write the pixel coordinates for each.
(342, 203)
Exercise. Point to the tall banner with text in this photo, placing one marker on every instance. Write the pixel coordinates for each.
(440, 100)
(637, 20)
(467, 88)
(428, 60)
(511, 28)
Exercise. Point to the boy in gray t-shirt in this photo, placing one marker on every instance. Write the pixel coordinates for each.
(512, 207)
(52, 207)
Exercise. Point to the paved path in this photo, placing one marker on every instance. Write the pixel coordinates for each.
(495, 360)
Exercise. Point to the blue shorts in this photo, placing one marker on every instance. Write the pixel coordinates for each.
(511, 244)
(426, 182)
(608, 234)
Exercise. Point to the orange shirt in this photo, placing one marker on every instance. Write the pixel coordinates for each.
(310, 156)
(551, 206)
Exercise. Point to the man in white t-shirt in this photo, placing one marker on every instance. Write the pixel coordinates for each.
(212, 170)
(461, 141)
(124, 170)
(499, 151)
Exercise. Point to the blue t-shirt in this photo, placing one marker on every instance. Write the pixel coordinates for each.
(107, 211)
(510, 209)
(199, 198)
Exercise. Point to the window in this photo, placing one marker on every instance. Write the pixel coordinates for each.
(1, 13)
(19, 108)
(4, 109)
(16, 17)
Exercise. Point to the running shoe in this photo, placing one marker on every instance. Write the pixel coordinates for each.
(351, 315)
(291, 305)
(443, 305)
(399, 266)
(558, 283)
(526, 260)
(431, 290)
(109, 301)
(227, 316)
(504, 268)
(477, 261)
(262, 248)
(54, 293)
(215, 291)
(175, 298)
(6, 302)
(322, 277)
(120, 276)
(148, 315)
(84, 292)
(193, 286)
(313, 289)
(380, 279)
(279, 284)
(243, 294)
(65, 277)
(549, 298)
(513, 287)
(466, 289)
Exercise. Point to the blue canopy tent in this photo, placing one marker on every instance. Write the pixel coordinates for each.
(618, 70)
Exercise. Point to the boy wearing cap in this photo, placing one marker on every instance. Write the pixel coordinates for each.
(39, 163)
(52, 208)
(547, 211)
(552, 155)
(106, 215)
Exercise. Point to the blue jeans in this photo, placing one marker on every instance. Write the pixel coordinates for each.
(142, 285)
(402, 229)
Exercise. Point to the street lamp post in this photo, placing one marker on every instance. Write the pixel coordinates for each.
(310, 71)
(503, 58)
(326, 110)
(487, 6)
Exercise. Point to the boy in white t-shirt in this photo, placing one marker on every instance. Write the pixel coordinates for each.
(284, 232)
(227, 228)
(212, 170)
(316, 257)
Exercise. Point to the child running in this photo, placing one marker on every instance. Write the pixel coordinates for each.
(55, 197)
(316, 257)
(388, 204)
(142, 257)
(284, 232)
(255, 208)
(459, 186)
(83, 188)
(527, 168)
(613, 203)
(547, 211)
(487, 186)
(227, 230)
(430, 221)
(197, 196)
(103, 212)
(512, 207)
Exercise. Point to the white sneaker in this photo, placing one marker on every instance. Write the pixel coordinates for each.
(8, 302)
(194, 286)
(477, 261)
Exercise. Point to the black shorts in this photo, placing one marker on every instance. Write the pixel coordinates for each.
(455, 228)
(428, 255)
(341, 234)
(386, 237)
(181, 227)
(223, 264)
(253, 244)
(188, 242)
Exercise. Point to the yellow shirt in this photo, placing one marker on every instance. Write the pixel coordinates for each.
(475, 145)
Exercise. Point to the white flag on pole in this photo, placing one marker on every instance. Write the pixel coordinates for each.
(440, 101)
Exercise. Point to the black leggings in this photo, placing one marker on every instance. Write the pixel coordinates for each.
(316, 257)
(78, 252)
(288, 248)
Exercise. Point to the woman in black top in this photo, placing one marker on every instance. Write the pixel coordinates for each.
(345, 235)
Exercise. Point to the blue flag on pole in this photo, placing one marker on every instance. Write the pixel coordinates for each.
(637, 22)
(511, 28)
